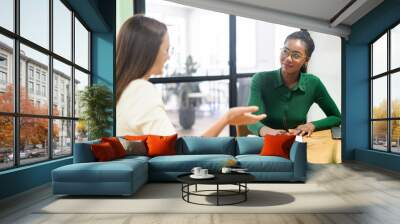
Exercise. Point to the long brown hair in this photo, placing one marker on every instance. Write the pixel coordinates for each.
(138, 42)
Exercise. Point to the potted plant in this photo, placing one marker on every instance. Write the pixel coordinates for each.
(96, 103)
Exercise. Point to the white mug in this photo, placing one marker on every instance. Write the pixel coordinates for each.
(203, 172)
(196, 170)
(226, 170)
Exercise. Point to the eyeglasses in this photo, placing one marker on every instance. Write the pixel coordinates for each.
(285, 52)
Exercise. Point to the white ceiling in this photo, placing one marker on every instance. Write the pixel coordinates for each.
(320, 9)
(315, 15)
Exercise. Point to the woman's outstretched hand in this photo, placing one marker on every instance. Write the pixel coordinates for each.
(243, 115)
(304, 129)
(270, 131)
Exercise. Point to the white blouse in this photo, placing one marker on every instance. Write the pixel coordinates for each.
(140, 111)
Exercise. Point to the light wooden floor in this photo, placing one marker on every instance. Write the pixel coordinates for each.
(378, 188)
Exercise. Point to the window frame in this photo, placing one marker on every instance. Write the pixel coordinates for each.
(16, 115)
(388, 74)
(232, 76)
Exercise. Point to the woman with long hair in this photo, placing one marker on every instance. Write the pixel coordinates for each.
(142, 50)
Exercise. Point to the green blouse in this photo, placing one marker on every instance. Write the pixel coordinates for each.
(287, 108)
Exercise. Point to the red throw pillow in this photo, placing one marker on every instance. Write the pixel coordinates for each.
(277, 145)
(161, 145)
(103, 152)
(116, 145)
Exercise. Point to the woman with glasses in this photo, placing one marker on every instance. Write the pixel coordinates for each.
(287, 94)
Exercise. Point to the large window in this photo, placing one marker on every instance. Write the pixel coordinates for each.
(40, 80)
(211, 65)
(385, 95)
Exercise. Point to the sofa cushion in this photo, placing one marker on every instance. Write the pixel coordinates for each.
(112, 171)
(277, 145)
(249, 145)
(190, 145)
(161, 145)
(129, 159)
(103, 152)
(136, 137)
(116, 145)
(257, 163)
(185, 163)
(134, 147)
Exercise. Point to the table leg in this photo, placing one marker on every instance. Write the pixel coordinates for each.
(245, 191)
(196, 188)
(217, 194)
(188, 190)
(182, 190)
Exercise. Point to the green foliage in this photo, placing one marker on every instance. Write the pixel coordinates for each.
(97, 103)
(380, 127)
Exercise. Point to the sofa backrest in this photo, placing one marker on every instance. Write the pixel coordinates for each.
(249, 145)
(83, 152)
(187, 145)
(193, 145)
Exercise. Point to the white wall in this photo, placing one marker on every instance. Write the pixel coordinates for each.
(124, 11)
(326, 64)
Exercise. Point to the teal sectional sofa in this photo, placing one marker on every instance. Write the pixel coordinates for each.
(125, 176)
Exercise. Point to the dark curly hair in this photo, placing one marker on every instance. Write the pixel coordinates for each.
(304, 36)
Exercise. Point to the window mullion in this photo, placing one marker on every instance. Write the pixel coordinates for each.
(232, 68)
(389, 104)
(50, 81)
(73, 82)
(371, 89)
(16, 84)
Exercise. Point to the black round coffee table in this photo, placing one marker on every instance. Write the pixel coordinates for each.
(238, 179)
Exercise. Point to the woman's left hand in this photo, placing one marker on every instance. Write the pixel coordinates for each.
(303, 129)
(243, 115)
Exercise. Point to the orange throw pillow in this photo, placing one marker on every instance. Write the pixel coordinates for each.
(136, 138)
(161, 145)
(277, 145)
(103, 152)
(116, 145)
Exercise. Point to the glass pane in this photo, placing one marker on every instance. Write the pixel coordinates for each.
(34, 79)
(379, 98)
(6, 142)
(395, 136)
(81, 81)
(62, 29)
(193, 107)
(6, 74)
(33, 139)
(62, 89)
(258, 44)
(243, 91)
(81, 131)
(81, 45)
(395, 95)
(7, 14)
(395, 47)
(199, 39)
(379, 55)
(62, 138)
(379, 135)
(35, 21)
